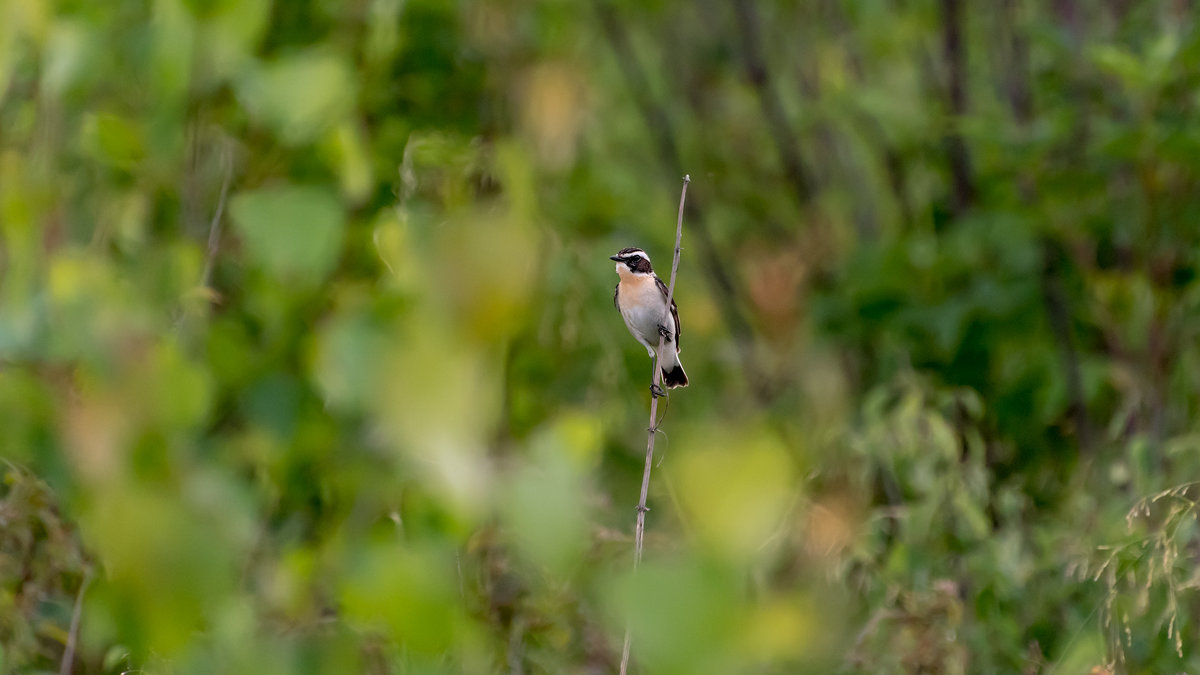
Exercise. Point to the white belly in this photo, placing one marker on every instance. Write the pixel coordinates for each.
(643, 308)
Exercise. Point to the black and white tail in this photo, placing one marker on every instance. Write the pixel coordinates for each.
(675, 377)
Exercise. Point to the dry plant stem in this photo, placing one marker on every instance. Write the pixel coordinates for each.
(639, 532)
(214, 228)
(68, 658)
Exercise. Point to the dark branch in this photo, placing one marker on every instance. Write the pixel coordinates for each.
(954, 54)
(755, 65)
(1055, 298)
(1020, 96)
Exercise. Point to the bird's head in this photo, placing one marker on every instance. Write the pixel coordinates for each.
(633, 259)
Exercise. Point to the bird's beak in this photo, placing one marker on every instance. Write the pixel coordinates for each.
(615, 257)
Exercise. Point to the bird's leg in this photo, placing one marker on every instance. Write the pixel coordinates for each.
(663, 331)
(655, 390)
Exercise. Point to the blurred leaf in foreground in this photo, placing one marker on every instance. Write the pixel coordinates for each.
(293, 231)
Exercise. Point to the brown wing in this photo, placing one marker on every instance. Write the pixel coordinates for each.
(662, 288)
(616, 291)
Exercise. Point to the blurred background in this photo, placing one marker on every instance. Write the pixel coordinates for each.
(309, 364)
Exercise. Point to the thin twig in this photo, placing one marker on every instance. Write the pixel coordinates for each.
(639, 532)
(68, 657)
(214, 229)
(516, 662)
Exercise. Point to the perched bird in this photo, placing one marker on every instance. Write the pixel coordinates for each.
(641, 297)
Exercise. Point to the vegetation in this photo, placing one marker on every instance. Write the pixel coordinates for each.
(308, 361)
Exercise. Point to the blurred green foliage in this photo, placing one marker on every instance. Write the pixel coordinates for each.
(308, 362)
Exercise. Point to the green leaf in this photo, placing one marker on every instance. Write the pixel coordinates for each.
(546, 510)
(113, 139)
(294, 232)
(300, 96)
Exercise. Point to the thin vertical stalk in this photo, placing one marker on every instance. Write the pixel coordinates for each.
(639, 532)
(68, 658)
(214, 228)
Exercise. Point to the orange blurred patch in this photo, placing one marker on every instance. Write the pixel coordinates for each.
(775, 282)
(95, 429)
(830, 527)
(552, 111)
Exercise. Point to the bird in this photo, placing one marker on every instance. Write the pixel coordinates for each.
(641, 298)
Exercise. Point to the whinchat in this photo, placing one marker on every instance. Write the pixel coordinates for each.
(641, 297)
